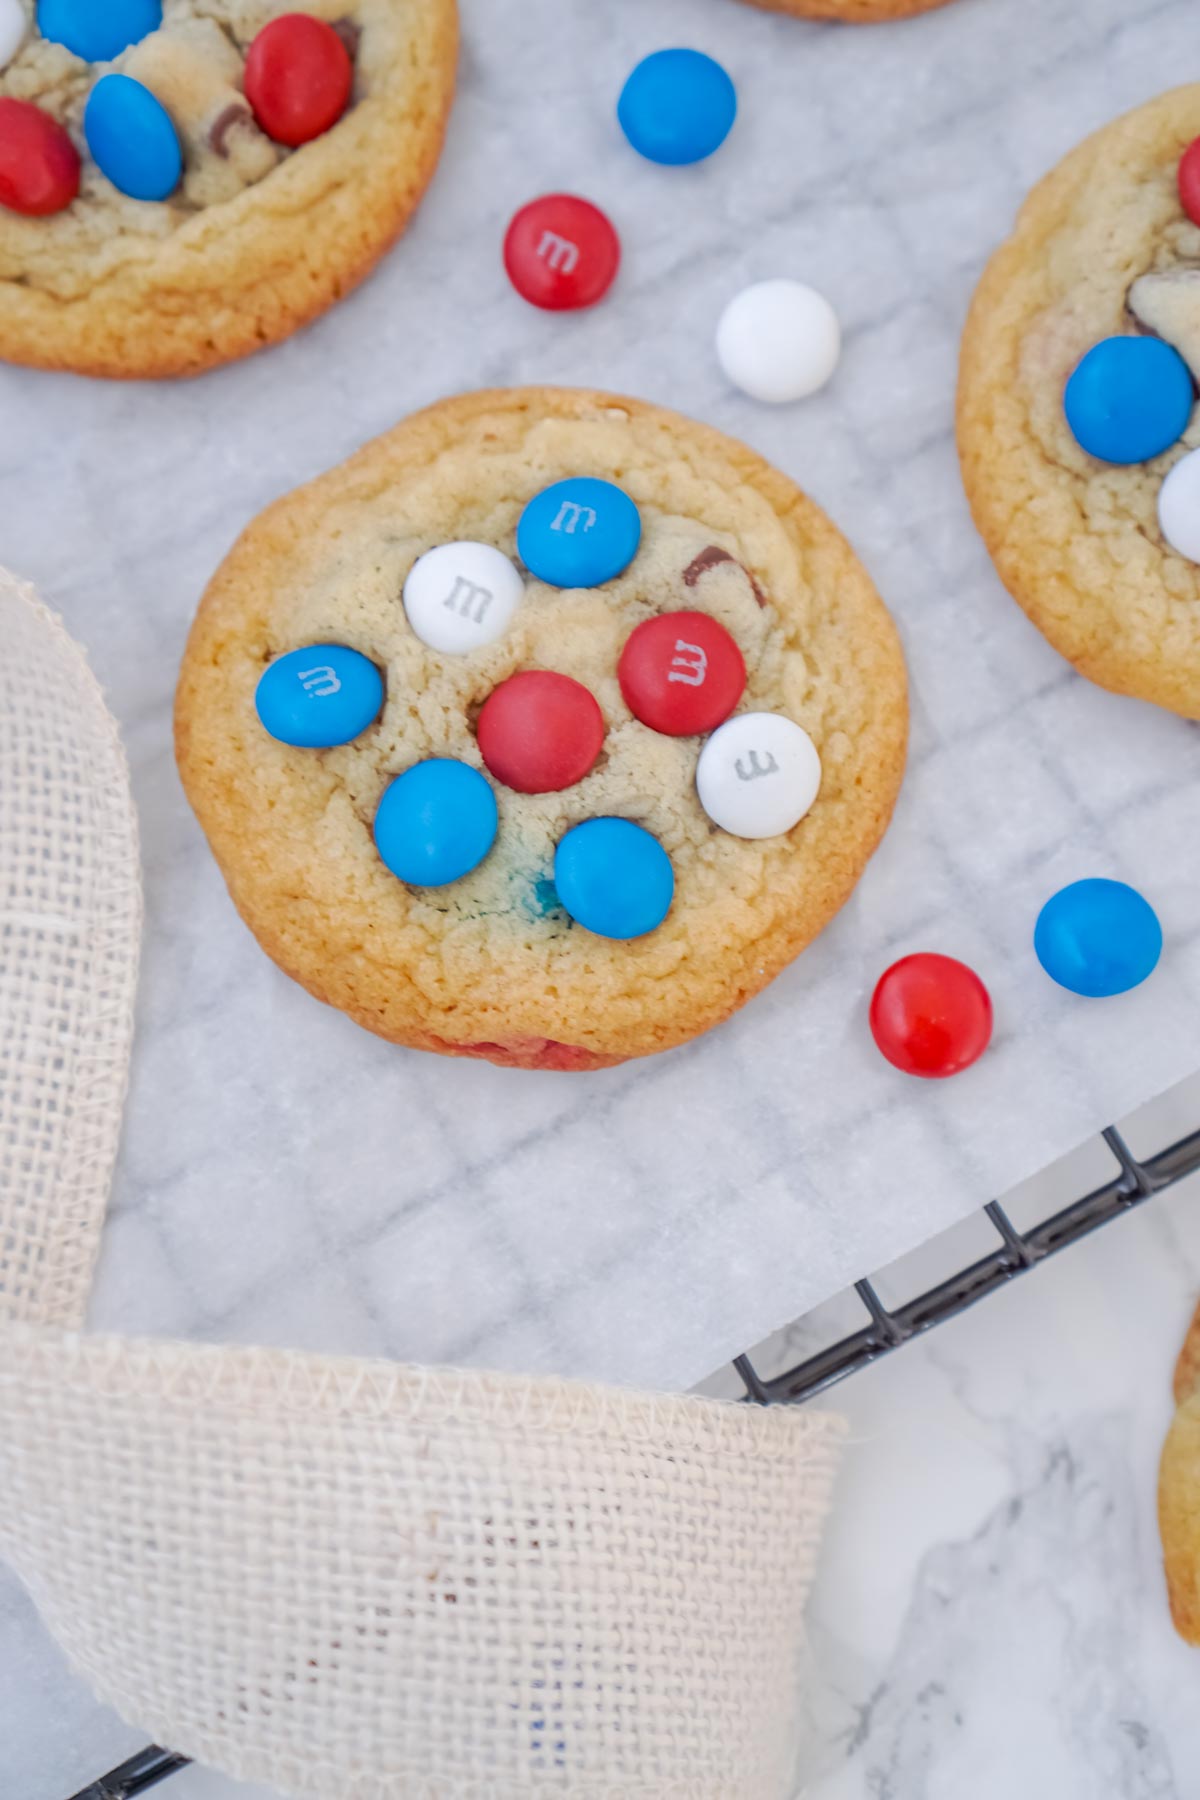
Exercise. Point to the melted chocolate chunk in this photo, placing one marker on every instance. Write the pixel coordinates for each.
(707, 559)
(350, 33)
(236, 113)
(711, 558)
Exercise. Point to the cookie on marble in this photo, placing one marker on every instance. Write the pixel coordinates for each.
(238, 165)
(850, 12)
(547, 729)
(1179, 1492)
(1076, 404)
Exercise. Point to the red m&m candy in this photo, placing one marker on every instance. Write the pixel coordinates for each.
(931, 1015)
(298, 78)
(1189, 181)
(539, 732)
(681, 673)
(561, 252)
(39, 165)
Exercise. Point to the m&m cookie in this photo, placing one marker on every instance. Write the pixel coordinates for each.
(850, 12)
(182, 185)
(554, 747)
(1077, 420)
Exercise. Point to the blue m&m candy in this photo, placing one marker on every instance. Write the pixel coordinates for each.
(677, 106)
(319, 696)
(614, 878)
(1098, 938)
(1129, 399)
(131, 136)
(436, 822)
(578, 533)
(98, 30)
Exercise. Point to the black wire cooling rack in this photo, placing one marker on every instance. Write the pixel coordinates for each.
(886, 1330)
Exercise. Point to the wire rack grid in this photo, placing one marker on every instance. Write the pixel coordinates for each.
(886, 1329)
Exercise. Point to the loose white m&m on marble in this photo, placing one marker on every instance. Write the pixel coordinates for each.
(461, 596)
(1179, 507)
(779, 341)
(12, 30)
(758, 775)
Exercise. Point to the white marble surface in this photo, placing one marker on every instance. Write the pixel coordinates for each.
(989, 1618)
(286, 1177)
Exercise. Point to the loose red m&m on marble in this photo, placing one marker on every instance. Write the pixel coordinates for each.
(681, 673)
(39, 165)
(561, 252)
(540, 731)
(298, 78)
(931, 1015)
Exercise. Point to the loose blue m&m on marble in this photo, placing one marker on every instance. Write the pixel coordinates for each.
(1129, 399)
(322, 695)
(436, 822)
(98, 30)
(1098, 938)
(131, 136)
(614, 878)
(578, 533)
(678, 106)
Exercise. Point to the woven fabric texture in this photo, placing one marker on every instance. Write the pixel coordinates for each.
(351, 1580)
(358, 1580)
(70, 911)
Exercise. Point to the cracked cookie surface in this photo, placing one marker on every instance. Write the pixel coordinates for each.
(1075, 540)
(491, 966)
(257, 240)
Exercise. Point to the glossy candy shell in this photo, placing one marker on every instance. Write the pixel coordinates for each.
(39, 165)
(1098, 938)
(614, 878)
(298, 78)
(436, 822)
(1129, 399)
(98, 30)
(931, 1016)
(130, 134)
(677, 106)
(579, 533)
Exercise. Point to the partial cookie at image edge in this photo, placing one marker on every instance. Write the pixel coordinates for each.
(1098, 580)
(850, 12)
(244, 274)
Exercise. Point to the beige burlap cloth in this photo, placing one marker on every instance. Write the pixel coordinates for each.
(344, 1578)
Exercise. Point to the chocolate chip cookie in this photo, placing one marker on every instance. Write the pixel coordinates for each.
(185, 181)
(851, 12)
(548, 729)
(1077, 427)
(1179, 1492)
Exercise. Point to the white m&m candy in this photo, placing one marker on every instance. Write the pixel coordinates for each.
(12, 30)
(461, 596)
(758, 775)
(779, 341)
(1179, 507)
